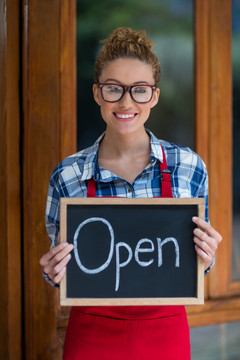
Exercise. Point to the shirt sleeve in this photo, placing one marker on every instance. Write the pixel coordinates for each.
(203, 192)
(52, 212)
(200, 184)
(52, 216)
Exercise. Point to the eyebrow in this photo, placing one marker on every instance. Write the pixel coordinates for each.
(119, 82)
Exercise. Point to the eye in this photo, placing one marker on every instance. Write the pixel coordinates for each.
(111, 88)
(140, 89)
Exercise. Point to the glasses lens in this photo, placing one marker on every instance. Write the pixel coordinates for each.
(142, 93)
(112, 92)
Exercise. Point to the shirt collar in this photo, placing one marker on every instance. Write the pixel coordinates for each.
(156, 149)
(91, 168)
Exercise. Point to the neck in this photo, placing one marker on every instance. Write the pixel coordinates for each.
(128, 145)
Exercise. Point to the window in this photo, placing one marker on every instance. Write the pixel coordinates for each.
(169, 23)
(236, 141)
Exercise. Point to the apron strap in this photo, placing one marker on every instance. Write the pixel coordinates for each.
(166, 190)
(91, 188)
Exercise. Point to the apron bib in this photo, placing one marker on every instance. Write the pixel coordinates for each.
(128, 332)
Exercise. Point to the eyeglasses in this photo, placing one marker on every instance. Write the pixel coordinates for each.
(141, 94)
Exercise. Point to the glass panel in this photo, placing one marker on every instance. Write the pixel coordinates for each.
(216, 342)
(169, 24)
(236, 140)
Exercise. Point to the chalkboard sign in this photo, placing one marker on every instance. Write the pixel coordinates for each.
(131, 251)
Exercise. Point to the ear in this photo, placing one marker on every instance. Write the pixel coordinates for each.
(96, 93)
(155, 98)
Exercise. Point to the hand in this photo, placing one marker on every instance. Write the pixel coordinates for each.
(206, 240)
(55, 260)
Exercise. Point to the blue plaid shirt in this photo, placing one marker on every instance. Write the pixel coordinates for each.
(70, 177)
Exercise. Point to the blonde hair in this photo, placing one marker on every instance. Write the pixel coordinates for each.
(127, 43)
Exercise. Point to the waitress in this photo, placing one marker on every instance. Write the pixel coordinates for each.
(127, 161)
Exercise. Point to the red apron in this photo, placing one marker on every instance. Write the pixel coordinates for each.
(128, 332)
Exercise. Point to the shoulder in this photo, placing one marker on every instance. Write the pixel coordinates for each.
(179, 158)
(182, 156)
(175, 154)
(189, 173)
(75, 165)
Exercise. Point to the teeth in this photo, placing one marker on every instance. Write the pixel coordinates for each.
(125, 116)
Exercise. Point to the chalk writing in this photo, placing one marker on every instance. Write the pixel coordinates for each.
(76, 234)
(143, 246)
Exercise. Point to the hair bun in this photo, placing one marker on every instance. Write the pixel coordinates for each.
(124, 37)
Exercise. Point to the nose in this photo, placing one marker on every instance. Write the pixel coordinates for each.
(126, 99)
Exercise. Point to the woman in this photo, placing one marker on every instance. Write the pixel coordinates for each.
(127, 161)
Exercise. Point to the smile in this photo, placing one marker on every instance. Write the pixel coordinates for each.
(125, 116)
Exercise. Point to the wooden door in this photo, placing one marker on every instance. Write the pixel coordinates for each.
(10, 204)
(48, 135)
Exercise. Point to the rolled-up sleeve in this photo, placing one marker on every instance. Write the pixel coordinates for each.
(52, 217)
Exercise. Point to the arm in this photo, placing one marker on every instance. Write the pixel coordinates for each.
(54, 262)
(206, 238)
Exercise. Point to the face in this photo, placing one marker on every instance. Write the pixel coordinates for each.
(126, 115)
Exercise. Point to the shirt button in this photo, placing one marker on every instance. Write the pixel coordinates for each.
(152, 160)
(130, 190)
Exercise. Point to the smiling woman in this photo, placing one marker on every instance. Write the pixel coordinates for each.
(127, 161)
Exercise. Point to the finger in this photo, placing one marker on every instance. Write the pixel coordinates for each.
(207, 228)
(60, 265)
(57, 252)
(204, 246)
(205, 238)
(54, 271)
(51, 253)
(59, 256)
(57, 279)
(205, 257)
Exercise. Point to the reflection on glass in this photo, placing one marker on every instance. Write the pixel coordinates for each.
(236, 140)
(169, 24)
(216, 342)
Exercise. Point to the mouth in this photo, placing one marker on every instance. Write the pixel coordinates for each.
(125, 116)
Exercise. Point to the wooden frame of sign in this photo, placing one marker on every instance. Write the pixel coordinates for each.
(144, 256)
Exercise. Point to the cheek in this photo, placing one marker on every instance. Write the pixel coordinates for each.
(146, 111)
(106, 110)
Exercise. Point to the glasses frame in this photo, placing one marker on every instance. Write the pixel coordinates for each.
(126, 88)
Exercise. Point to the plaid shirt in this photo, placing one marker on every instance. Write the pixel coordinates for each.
(69, 179)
